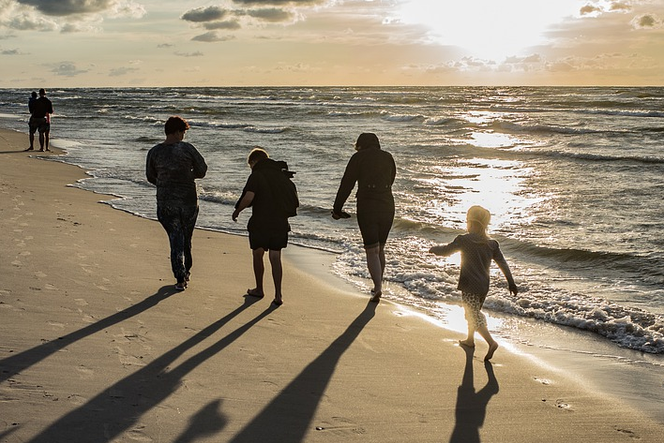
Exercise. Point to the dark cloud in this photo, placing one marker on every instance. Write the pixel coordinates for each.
(209, 14)
(212, 36)
(164, 45)
(620, 6)
(68, 7)
(232, 24)
(646, 21)
(270, 14)
(590, 10)
(119, 72)
(67, 69)
(10, 52)
(279, 2)
(189, 54)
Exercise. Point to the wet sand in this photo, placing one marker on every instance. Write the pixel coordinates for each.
(97, 346)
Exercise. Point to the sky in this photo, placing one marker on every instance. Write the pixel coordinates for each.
(124, 43)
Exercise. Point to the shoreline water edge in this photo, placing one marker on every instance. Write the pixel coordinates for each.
(136, 403)
(551, 339)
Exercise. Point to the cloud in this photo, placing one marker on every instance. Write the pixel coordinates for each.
(11, 52)
(119, 72)
(165, 45)
(620, 6)
(280, 2)
(189, 54)
(231, 24)
(212, 36)
(646, 21)
(271, 14)
(590, 10)
(67, 69)
(68, 7)
(209, 14)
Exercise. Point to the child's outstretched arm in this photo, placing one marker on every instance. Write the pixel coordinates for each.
(447, 249)
(504, 267)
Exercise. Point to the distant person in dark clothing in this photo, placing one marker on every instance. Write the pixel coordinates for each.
(268, 226)
(31, 102)
(172, 166)
(40, 120)
(374, 172)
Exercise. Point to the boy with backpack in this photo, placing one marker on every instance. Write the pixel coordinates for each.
(273, 198)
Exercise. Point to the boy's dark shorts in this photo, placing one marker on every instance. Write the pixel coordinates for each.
(269, 241)
(375, 227)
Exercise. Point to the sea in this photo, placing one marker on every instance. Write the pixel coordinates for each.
(573, 177)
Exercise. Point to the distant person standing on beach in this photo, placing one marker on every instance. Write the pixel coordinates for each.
(268, 191)
(172, 166)
(40, 120)
(477, 251)
(31, 102)
(374, 171)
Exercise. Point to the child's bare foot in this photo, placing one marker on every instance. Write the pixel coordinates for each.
(467, 343)
(278, 301)
(492, 348)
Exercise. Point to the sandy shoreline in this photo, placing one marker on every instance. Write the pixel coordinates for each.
(97, 346)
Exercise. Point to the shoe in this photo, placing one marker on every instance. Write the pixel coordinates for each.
(30, 149)
(277, 302)
(181, 286)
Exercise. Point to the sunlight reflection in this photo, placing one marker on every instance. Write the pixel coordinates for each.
(492, 140)
(496, 184)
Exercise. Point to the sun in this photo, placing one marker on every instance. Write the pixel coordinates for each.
(488, 29)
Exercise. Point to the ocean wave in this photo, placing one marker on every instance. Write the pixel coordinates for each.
(387, 116)
(629, 327)
(601, 157)
(613, 112)
(541, 129)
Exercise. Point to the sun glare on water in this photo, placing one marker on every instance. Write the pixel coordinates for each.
(488, 29)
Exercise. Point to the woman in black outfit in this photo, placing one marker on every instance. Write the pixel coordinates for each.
(374, 171)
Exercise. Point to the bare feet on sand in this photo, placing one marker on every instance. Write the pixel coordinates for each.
(467, 343)
(255, 293)
(492, 348)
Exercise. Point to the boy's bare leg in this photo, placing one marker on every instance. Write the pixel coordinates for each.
(259, 270)
(277, 275)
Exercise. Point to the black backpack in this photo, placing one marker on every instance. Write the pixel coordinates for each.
(284, 191)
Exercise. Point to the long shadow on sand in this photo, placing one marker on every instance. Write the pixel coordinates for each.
(118, 407)
(288, 417)
(13, 365)
(208, 421)
(471, 406)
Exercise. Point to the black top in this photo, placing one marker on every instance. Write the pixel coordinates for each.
(173, 168)
(265, 214)
(41, 107)
(477, 252)
(374, 171)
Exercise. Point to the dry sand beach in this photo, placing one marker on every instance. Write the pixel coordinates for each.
(96, 346)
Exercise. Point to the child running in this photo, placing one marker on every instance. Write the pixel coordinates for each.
(477, 251)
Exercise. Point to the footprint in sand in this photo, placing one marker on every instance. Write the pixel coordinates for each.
(341, 427)
(560, 404)
(543, 381)
(85, 373)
